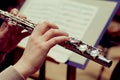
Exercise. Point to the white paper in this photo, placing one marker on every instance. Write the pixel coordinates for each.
(72, 17)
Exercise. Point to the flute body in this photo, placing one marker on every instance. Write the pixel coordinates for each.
(74, 45)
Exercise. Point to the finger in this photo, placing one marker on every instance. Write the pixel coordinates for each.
(13, 23)
(54, 33)
(5, 29)
(14, 11)
(41, 28)
(22, 16)
(17, 29)
(56, 40)
(3, 26)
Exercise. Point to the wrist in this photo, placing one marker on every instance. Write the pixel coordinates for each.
(24, 71)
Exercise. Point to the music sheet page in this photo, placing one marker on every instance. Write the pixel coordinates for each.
(70, 16)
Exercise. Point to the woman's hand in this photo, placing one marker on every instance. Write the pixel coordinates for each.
(10, 35)
(43, 38)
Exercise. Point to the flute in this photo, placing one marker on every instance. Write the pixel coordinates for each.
(77, 46)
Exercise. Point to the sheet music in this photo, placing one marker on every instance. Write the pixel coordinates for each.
(72, 17)
(66, 14)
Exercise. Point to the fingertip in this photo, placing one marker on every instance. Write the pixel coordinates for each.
(23, 16)
(58, 40)
(14, 11)
(10, 23)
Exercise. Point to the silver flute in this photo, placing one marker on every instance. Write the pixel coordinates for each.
(73, 44)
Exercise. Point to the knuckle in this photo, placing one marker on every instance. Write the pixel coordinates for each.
(32, 37)
(55, 40)
(22, 16)
(39, 23)
(46, 22)
(50, 25)
(53, 31)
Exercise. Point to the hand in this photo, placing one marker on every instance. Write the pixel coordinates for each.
(43, 38)
(10, 36)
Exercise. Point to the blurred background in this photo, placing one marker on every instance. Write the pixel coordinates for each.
(54, 71)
